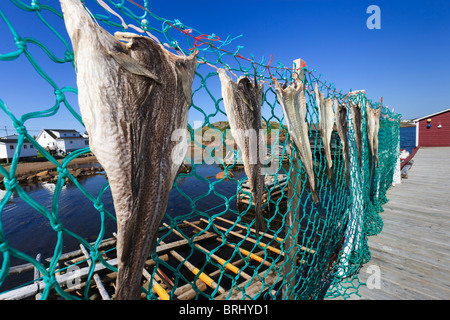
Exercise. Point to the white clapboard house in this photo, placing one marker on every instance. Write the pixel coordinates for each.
(8, 146)
(61, 141)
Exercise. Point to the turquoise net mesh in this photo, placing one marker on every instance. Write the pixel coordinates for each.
(308, 251)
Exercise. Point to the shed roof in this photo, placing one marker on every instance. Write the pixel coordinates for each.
(431, 115)
(50, 132)
(12, 141)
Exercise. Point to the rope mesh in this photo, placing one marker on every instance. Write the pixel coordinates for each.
(312, 254)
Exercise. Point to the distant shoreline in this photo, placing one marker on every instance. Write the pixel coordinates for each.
(407, 125)
(26, 169)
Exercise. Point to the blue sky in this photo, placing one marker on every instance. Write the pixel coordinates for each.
(406, 61)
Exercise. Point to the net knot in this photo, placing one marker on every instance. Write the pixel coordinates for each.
(56, 226)
(174, 44)
(50, 281)
(21, 45)
(94, 254)
(35, 5)
(4, 246)
(68, 56)
(59, 95)
(99, 206)
(179, 24)
(144, 24)
(20, 129)
(10, 184)
(63, 172)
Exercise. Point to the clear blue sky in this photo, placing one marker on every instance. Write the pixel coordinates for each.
(406, 61)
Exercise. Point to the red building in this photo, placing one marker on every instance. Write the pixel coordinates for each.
(433, 130)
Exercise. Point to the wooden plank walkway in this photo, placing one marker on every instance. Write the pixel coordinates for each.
(412, 251)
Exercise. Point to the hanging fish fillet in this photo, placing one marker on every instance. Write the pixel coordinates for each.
(326, 121)
(373, 126)
(293, 102)
(355, 112)
(242, 101)
(132, 97)
(341, 124)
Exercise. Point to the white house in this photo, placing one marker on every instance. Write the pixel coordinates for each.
(62, 141)
(8, 146)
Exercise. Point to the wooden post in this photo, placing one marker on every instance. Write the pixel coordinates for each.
(299, 74)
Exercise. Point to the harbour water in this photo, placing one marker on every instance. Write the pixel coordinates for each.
(30, 232)
(408, 138)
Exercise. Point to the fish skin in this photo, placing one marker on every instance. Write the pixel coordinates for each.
(326, 121)
(132, 97)
(355, 112)
(242, 101)
(293, 102)
(341, 124)
(373, 126)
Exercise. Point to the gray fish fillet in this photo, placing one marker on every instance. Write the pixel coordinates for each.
(242, 101)
(355, 112)
(293, 102)
(373, 126)
(326, 121)
(341, 124)
(132, 97)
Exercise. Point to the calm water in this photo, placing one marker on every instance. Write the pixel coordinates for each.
(29, 231)
(408, 138)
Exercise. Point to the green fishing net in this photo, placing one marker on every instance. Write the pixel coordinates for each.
(307, 251)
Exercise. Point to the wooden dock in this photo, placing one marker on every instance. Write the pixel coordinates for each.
(412, 251)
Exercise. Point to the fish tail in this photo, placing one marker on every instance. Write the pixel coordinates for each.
(259, 219)
(260, 225)
(314, 196)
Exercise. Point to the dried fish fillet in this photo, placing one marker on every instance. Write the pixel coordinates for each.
(341, 124)
(293, 102)
(242, 101)
(355, 112)
(132, 97)
(373, 126)
(326, 121)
